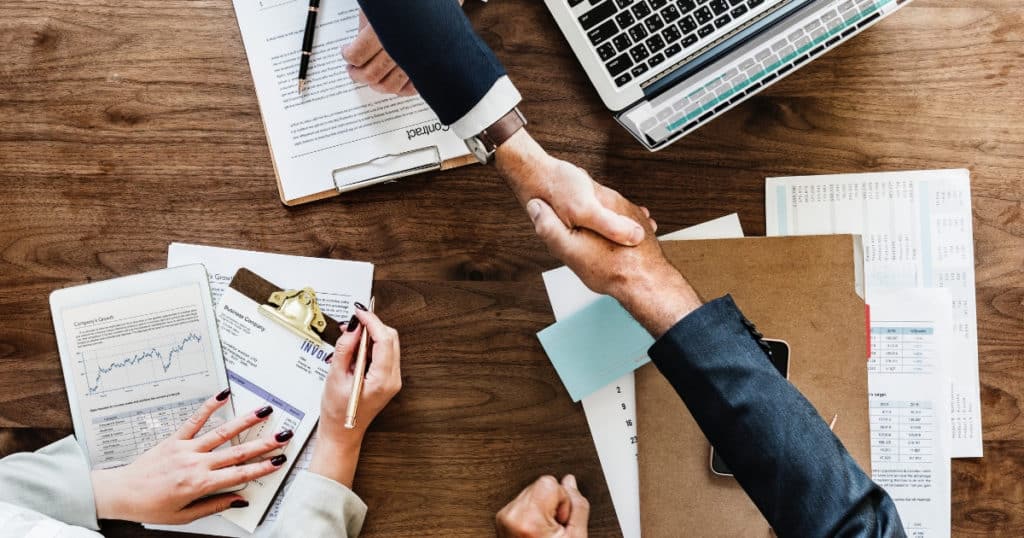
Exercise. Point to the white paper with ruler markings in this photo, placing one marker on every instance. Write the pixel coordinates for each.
(611, 411)
(917, 232)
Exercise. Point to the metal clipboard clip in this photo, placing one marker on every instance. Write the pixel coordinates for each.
(387, 168)
(298, 311)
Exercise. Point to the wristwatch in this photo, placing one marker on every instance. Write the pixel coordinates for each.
(486, 143)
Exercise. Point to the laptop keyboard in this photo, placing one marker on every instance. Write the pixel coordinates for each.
(634, 36)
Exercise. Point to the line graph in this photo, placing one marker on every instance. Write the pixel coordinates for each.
(152, 361)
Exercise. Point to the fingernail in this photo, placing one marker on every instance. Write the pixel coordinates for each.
(360, 306)
(353, 324)
(533, 209)
(224, 394)
(637, 236)
(239, 503)
(570, 481)
(278, 460)
(284, 436)
(329, 357)
(264, 412)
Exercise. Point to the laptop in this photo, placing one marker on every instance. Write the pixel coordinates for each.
(667, 67)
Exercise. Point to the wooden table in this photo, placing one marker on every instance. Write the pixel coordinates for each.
(125, 126)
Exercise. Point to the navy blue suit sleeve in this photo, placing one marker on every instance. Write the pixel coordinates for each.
(433, 41)
(782, 453)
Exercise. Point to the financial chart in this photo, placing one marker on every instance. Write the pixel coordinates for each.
(169, 358)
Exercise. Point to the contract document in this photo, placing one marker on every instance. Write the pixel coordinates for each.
(908, 384)
(917, 230)
(611, 411)
(337, 134)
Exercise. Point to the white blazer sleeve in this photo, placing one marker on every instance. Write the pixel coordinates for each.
(54, 481)
(317, 506)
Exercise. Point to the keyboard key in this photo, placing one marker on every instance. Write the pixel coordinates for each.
(721, 21)
(736, 2)
(574, 3)
(738, 11)
(688, 25)
(670, 14)
(639, 53)
(690, 40)
(619, 64)
(706, 30)
(603, 32)
(599, 13)
(623, 78)
(671, 34)
(703, 15)
(606, 52)
(657, 4)
(622, 42)
(719, 6)
(623, 4)
(638, 32)
(672, 50)
(754, 3)
(655, 44)
(638, 70)
(641, 11)
(656, 60)
(625, 19)
(687, 6)
(654, 23)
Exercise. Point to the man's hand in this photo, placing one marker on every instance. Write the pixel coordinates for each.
(546, 509)
(578, 200)
(639, 277)
(370, 64)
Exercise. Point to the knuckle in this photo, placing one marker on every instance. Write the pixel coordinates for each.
(222, 432)
(547, 483)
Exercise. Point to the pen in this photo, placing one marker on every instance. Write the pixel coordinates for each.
(357, 381)
(307, 43)
(832, 426)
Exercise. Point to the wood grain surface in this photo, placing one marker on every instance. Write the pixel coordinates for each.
(125, 126)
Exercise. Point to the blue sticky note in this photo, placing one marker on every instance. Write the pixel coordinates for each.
(595, 346)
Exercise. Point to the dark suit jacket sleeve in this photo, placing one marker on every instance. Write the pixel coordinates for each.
(433, 41)
(782, 453)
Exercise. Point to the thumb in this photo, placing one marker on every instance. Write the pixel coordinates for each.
(548, 226)
(211, 505)
(580, 513)
(345, 348)
(613, 226)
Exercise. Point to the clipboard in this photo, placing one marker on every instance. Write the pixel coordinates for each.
(296, 310)
(380, 169)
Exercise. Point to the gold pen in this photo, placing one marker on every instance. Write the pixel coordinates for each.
(357, 382)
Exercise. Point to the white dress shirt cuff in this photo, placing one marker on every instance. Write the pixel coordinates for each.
(502, 97)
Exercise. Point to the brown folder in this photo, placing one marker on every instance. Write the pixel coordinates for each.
(797, 289)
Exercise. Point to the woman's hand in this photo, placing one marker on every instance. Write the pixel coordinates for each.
(337, 448)
(172, 482)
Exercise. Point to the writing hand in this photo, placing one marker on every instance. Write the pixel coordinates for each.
(337, 448)
(170, 482)
(546, 509)
(370, 64)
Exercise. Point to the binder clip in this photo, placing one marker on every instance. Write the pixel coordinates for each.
(298, 311)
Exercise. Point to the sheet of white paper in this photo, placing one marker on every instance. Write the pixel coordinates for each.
(338, 284)
(611, 411)
(917, 232)
(908, 380)
(335, 123)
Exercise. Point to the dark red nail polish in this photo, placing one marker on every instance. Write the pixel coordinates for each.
(224, 394)
(239, 503)
(278, 460)
(264, 412)
(284, 436)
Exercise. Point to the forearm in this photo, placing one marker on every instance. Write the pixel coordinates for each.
(780, 450)
(53, 481)
(336, 460)
(525, 166)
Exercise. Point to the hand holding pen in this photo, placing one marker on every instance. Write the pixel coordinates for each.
(337, 448)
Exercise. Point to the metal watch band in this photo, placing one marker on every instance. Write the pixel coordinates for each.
(502, 130)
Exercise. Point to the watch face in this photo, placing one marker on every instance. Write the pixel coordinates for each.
(476, 146)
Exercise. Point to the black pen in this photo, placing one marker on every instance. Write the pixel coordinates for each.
(307, 42)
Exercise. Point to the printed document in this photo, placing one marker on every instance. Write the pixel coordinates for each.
(338, 284)
(908, 382)
(917, 232)
(611, 411)
(335, 124)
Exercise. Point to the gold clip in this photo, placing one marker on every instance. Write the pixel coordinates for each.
(298, 311)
